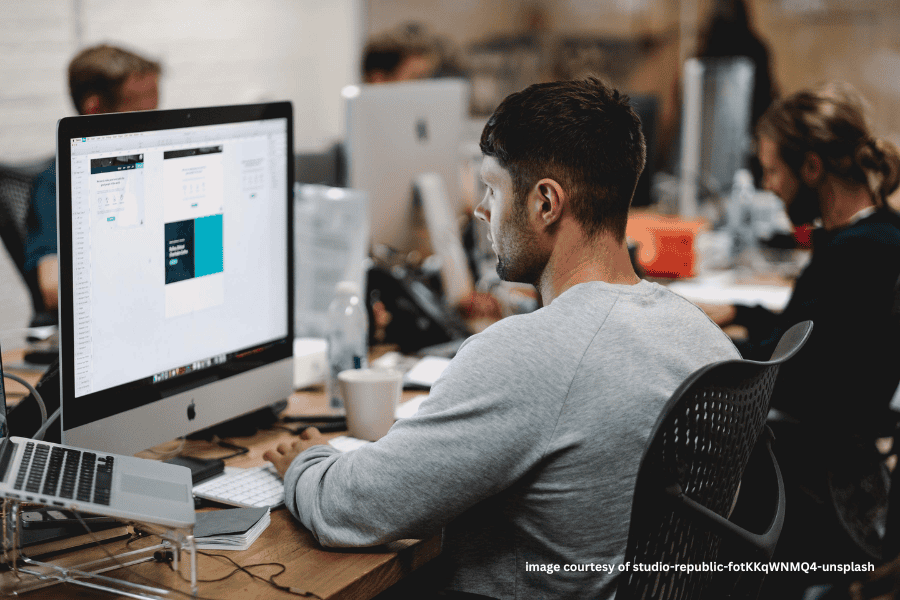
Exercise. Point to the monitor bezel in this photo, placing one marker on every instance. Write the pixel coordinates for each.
(96, 406)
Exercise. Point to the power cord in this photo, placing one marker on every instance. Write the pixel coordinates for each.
(43, 428)
(167, 557)
(238, 450)
(45, 424)
(246, 569)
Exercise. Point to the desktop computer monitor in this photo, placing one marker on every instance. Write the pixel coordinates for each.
(397, 132)
(175, 253)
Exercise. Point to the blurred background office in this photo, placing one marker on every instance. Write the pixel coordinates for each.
(308, 50)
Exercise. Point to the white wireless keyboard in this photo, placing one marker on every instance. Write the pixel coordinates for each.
(256, 486)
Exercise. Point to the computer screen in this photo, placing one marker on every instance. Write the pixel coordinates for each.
(715, 136)
(175, 233)
(395, 133)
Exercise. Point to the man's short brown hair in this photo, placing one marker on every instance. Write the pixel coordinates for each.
(583, 134)
(101, 71)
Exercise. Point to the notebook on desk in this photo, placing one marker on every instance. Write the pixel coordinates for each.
(124, 487)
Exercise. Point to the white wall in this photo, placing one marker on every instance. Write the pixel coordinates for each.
(213, 52)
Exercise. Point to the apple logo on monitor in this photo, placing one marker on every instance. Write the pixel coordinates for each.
(191, 411)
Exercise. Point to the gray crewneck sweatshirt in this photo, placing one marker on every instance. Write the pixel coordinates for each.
(527, 448)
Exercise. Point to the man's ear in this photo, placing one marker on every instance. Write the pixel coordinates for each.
(812, 170)
(547, 200)
(91, 105)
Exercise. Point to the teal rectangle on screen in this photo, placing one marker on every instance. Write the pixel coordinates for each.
(208, 254)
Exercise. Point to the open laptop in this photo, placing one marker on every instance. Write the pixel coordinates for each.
(124, 487)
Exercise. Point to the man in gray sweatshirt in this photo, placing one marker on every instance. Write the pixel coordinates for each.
(527, 448)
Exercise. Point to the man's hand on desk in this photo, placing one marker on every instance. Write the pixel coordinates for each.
(285, 453)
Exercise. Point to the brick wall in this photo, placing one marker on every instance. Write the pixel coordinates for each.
(213, 52)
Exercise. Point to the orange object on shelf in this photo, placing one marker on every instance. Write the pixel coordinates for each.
(666, 244)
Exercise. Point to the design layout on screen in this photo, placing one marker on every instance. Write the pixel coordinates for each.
(179, 248)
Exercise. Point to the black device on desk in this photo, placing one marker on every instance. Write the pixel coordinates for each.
(323, 423)
(201, 468)
(418, 317)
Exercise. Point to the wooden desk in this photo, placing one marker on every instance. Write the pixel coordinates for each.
(15, 391)
(325, 574)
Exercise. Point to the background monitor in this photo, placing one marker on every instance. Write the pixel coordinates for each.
(395, 133)
(175, 234)
(715, 135)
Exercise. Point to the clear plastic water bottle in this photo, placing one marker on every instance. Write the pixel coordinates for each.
(348, 329)
(744, 247)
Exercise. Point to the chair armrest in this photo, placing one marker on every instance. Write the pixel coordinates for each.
(759, 544)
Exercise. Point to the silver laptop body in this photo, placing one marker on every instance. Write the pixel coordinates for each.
(114, 485)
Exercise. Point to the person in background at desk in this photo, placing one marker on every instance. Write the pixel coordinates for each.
(819, 156)
(407, 53)
(102, 79)
(527, 448)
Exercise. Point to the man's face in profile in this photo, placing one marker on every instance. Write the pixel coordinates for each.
(800, 200)
(512, 239)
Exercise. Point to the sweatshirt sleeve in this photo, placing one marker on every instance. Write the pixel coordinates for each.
(486, 422)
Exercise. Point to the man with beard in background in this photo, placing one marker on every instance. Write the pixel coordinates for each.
(819, 156)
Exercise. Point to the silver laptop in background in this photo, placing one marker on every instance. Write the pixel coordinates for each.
(114, 485)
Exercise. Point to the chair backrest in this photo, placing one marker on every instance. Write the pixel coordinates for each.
(15, 198)
(698, 451)
(895, 304)
(15, 203)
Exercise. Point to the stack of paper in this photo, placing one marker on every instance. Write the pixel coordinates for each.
(230, 528)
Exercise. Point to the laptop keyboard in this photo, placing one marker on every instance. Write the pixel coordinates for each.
(65, 473)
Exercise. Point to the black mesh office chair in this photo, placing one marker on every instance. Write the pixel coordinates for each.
(890, 544)
(709, 442)
(15, 202)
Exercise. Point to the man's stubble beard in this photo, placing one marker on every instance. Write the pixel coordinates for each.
(524, 261)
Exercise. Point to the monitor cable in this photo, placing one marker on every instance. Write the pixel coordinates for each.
(45, 422)
(166, 557)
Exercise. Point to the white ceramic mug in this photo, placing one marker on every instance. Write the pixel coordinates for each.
(370, 400)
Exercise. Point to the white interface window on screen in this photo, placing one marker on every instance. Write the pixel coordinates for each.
(176, 237)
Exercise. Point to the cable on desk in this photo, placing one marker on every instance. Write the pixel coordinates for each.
(39, 435)
(120, 564)
(238, 568)
(246, 569)
(37, 398)
(239, 450)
